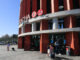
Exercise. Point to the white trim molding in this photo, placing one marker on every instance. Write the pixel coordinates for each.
(51, 31)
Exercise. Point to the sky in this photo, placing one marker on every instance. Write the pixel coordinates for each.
(9, 16)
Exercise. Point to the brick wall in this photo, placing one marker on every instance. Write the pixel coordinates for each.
(27, 43)
(20, 43)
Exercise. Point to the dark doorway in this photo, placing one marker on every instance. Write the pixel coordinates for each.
(59, 43)
(35, 42)
(23, 42)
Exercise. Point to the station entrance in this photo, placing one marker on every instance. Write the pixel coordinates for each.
(59, 42)
(35, 42)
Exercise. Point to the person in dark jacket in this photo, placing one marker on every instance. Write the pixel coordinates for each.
(52, 53)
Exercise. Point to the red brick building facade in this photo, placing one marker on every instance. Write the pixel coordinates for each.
(60, 17)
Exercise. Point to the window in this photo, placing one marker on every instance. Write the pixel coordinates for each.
(50, 24)
(61, 5)
(30, 8)
(48, 6)
(22, 29)
(61, 23)
(75, 4)
(79, 38)
(37, 26)
(38, 4)
(78, 21)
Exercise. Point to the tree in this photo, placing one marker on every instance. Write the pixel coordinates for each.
(6, 38)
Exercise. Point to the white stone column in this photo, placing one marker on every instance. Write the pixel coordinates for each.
(55, 23)
(33, 27)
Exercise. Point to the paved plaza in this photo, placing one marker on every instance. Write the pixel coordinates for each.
(20, 54)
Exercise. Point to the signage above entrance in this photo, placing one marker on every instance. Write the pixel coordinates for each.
(34, 14)
(40, 12)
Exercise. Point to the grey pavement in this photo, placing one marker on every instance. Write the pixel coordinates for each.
(20, 54)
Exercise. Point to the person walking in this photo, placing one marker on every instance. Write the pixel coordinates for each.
(52, 53)
(48, 50)
(8, 45)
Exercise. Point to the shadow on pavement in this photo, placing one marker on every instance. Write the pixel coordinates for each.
(61, 58)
